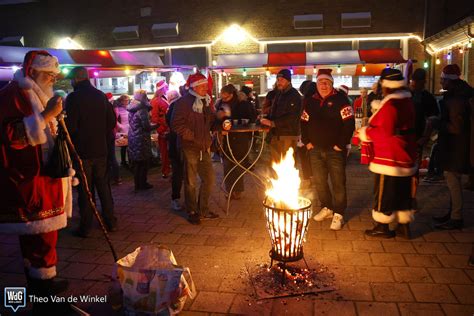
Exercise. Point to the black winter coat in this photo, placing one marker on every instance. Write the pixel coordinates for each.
(455, 129)
(286, 112)
(90, 120)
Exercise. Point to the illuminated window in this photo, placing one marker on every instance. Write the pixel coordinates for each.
(356, 19)
(367, 81)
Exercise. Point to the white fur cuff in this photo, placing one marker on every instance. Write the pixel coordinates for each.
(363, 134)
(405, 217)
(34, 127)
(42, 273)
(380, 217)
(392, 84)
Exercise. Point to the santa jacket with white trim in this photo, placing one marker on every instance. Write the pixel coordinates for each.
(331, 121)
(391, 131)
(31, 202)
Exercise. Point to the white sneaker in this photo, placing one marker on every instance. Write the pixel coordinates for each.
(175, 205)
(337, 222)
(323, 214)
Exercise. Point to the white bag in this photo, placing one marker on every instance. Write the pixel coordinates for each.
(152, 281)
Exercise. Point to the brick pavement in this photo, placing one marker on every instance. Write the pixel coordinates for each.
(426, 275)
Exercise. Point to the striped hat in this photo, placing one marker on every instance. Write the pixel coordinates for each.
(451, 72)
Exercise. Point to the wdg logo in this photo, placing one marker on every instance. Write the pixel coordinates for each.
(15, 297)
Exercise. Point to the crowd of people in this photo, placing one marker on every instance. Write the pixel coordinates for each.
(318, 122)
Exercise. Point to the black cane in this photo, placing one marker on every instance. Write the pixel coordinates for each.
(82, 176)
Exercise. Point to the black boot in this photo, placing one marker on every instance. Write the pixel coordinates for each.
(403, 230)
(381, 231)
(442, 218)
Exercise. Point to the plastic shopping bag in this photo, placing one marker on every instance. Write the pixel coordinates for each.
(153, 282)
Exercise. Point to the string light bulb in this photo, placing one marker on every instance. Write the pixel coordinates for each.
(291, 70)
(244, 73)
(194, 69)
(314, 70)
(364, 69)
(449, 56)
(469, 44)
(339, 69)
(214, 62)
(461, 50)
(267, 73)
(127, 71)
(438, 61)
(425, 64)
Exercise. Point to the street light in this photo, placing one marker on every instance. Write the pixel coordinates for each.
(234, 35)
(68, 43)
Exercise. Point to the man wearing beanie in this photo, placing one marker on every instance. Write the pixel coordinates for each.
(284, 118)
(391, 136)
(455, 141)
(327, 133)
(34, 206)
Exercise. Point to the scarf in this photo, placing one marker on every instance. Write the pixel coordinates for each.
(198, 105)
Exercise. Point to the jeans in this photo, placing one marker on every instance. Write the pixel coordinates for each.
(453, 180)
(329, 163)
(123, 155)
(303, 159)
(196, 163)
(96, 174)
(279, 147)
(112, 162)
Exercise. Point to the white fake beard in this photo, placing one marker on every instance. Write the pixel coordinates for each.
(46, 88)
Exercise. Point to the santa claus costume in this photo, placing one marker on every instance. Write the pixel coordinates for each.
(159, 109)
(391, 136)
(34, 206)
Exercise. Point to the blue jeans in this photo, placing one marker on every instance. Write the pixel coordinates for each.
(197, 163)
(329, 163)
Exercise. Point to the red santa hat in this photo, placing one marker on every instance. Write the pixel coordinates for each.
(195, 80)
(40, 60)
(324, 74)
(344, 89)
(109, 96)
(451, 72)
(161, 84)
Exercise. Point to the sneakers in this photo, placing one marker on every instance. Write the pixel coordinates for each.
(210, 215)
(323, 214)
(175, 205)
(337, 222)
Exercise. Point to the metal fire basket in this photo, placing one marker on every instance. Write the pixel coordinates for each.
(287, 229)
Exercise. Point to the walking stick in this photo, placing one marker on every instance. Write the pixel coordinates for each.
(83, 179)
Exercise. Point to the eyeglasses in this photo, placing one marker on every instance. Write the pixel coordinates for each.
(51, 75)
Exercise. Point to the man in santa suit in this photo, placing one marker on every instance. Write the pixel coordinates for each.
(391, 134)
(33, 205)
(159, 108)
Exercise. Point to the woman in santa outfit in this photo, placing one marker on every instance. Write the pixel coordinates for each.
(159, 108)
(391, 136)
(33, 205)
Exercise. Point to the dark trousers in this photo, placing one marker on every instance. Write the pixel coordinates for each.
(176, 177)
(303, 158)
(141, 174)
(329, 163)
(197, 163)
(239, 149)
(114, 172)
(279, 147)
(123, 155)
(96, 174)
(392, 194)
(434, 166)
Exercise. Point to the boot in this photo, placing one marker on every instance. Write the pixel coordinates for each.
(442, 219)
(381, 231)
(403, 230)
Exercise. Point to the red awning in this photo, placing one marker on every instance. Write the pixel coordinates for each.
(380, 56)
(287, 59)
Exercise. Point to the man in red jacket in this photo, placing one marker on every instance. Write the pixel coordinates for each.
(33, 204)
(159, 108)
(391, 133)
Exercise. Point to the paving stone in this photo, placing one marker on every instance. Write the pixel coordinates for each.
(293, 306)
(449, 276)
(410, 274)
(354, 259)
(464, 293)
(453, 261)
(430, 248)
(78, 270)
(373, 274)
(438, 236)
(367, 246)
(428, 261)
(244, 305)
(102, 272)
(459, 248)
(420, 309)
(213, 231)
(464, 237)
(350, 235)
(166, 238)
(87, 256)
(458, 310)
(433, 293)
(377, 309)
(392, 292)
(192, 239)
(212, 302)
(334, 308)
(323, 235)
(337, 245)
(387, 259)
(360, 225)
(353, 291)
(398, 247)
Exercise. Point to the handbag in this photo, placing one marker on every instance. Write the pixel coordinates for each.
(59, 161)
